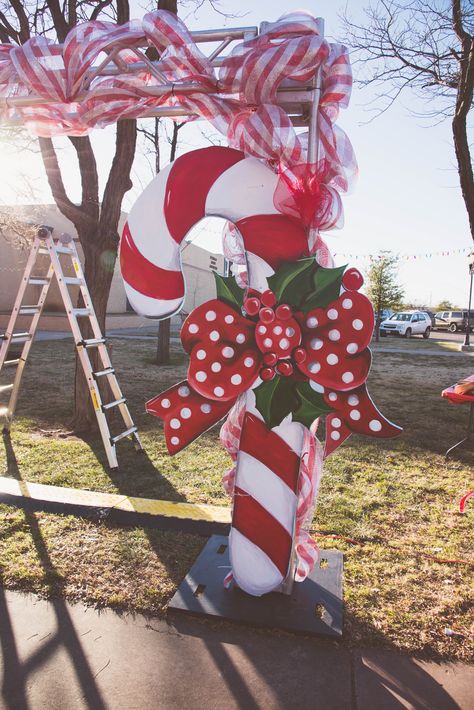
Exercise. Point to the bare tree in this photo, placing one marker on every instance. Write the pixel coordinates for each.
(426, 46)
(97, 216)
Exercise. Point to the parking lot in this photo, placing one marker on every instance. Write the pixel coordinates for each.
(439, 340)
(450, 337)
(443, 336)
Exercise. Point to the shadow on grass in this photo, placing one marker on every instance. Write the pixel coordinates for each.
(136, 475)
(153, 532)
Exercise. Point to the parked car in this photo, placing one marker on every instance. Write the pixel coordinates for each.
(384, 314)
(406, 324)
(453, 321)
(432, 318)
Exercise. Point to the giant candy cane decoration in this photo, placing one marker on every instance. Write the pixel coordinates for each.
(294, 346)
(237, 345)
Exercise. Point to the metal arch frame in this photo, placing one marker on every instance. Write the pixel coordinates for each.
(299, 99)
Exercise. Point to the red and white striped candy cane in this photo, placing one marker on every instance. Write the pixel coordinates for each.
(221, 181)
(209, 182)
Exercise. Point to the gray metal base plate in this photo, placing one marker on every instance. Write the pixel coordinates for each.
(314, 607)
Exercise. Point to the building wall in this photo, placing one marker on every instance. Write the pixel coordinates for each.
(198, 265)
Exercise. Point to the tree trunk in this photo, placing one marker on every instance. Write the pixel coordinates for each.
(379, 306)
(461, 141)
(170, 5)
(163, 345)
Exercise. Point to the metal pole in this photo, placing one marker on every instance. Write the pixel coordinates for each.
(313, 134)
(467, 338)
(312, 158)
(468, 328)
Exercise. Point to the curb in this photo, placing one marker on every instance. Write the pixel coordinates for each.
(196, 518)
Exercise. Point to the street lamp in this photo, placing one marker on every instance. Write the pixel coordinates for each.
(467, 344)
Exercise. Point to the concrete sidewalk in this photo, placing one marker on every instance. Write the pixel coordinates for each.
(60, 656)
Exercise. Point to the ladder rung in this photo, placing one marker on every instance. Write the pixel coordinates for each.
(11, 363)
(101, 373)
(72, 281)
(115, 403)
(57, 249)
(17, 336)
(28, 310)
(114, 439)
(91, 342)
(78, 312)
(6, 388)
(38, 281)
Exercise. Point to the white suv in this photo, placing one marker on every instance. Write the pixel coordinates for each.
(406, 324)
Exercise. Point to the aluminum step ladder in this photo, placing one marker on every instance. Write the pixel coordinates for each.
(64, 246)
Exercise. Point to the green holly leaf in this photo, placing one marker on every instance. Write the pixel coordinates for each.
(326, 288)
(311, 405)
(288, 284)
(276, 399)
(229, 291)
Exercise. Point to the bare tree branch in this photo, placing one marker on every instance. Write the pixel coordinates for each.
(426, 46)
(89, 177)
(98, 9)
(7, 31)
(55, 180)
(118, 182)
(60, 23)
(24, 32)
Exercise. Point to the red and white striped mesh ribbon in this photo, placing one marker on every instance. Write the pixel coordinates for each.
(311, 471)
(240, 101)
(230, 439)
(234, 252)
(7, 70)
(310, 474)
(311, 466)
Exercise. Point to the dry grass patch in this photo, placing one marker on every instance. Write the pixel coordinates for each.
(398, 498)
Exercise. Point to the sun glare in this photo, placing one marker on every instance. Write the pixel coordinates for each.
(21, 178)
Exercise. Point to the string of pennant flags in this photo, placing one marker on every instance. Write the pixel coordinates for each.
(405, 257)
(344, 255)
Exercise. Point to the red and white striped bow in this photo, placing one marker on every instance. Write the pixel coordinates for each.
(240, 101)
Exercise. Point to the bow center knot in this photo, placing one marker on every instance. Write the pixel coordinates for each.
(277, 333)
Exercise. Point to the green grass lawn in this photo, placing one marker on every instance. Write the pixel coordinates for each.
(397, 498)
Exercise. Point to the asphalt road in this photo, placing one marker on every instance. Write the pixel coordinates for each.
(450, 337)
(443, 335)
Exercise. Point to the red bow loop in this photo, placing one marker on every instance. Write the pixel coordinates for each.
(355, 412)
(335, 340)
(186, 414)
(224, 360)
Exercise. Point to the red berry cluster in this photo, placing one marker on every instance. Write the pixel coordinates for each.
(277, 334)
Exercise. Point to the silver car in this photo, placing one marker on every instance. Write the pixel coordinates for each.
(406, 324)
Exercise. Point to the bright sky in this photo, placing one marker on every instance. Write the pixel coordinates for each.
(407, 198)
